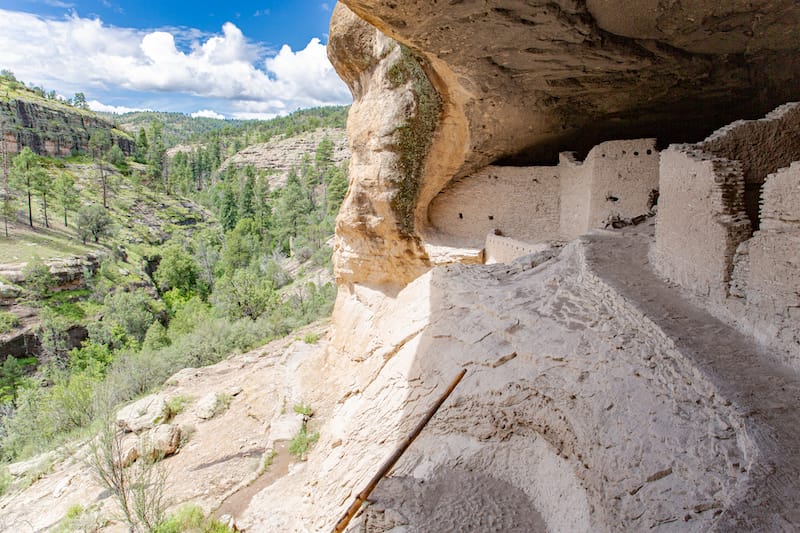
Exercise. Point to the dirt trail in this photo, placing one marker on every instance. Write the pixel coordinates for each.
(764, 391)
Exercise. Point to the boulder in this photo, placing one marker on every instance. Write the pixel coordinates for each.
(142, 414)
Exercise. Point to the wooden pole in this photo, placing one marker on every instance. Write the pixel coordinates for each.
(390, 462)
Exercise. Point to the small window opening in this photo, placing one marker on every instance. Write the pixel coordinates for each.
(491, 217)
(461, 215)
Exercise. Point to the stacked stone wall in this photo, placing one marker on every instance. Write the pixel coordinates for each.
(542, 203)
(499, 249)
(761, 146)
(701, 220)
(772, 262)
(521, 202)
(623, 175)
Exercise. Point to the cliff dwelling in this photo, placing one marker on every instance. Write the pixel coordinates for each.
(597, 219)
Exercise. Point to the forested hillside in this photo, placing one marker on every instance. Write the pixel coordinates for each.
(178, 265)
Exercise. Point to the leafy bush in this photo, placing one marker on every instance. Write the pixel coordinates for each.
(156, 337)
(134, 311)
(311, 338)
(38, 278)
(91, 358)
(8, 321)
(177, 270)
(5, 479)
(94, 221)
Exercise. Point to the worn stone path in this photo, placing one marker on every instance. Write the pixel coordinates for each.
(764, 391)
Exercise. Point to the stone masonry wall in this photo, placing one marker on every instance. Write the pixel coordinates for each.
(762, 146)
(501, 249)
(535, 204)
(770, 264)
(701, 220)
(623, 175)
(521, 202)
(576, 181)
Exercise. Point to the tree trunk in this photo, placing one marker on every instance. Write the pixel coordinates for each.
(44, 202)
(65, 217)
(30, 209)
(103, 178)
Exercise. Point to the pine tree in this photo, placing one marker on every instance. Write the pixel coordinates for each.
(65, 193)
(43, 185)
(99, 145)
(228, 210)
(291, 211)
(247, 196)
(26, 171)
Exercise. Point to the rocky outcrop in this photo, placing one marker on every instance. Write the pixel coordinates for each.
(279, 155)
(602, 397)
(520, 82)
(55, 130)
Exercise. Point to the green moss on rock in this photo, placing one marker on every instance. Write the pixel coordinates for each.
(415, 136)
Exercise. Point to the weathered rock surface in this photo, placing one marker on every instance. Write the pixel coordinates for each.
(142, 414)
(216, 459)
(55, 129)
(595, 395)
(522, 81)
(279, 155)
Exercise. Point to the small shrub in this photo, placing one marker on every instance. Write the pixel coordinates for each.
(5, 479)
(175, 405)
(138, 488)
(303, 409)
(191, 518)
(8, 321)
(311, 338)
(223, 401)
(268, 458)
(38, 279)
(301, 442)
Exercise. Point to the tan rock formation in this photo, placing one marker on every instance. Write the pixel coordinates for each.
(524, 81)
(603, 395)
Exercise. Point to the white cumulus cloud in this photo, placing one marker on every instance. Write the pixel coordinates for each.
(207, 113)
(79, 54)
(94, 105)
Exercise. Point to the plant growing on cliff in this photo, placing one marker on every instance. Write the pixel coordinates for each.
(38, 278)
(138, 488)
(415, 136)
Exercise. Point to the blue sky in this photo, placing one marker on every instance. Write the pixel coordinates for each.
(224, 59)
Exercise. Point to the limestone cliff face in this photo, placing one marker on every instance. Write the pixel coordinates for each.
(518, 82)
(53, 130)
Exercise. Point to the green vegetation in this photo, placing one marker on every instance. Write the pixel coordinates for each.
(301, 442)
(138, 488)
(195, 264)
(415, 136)
(8, 321)
(303, 409)
(191, 518)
